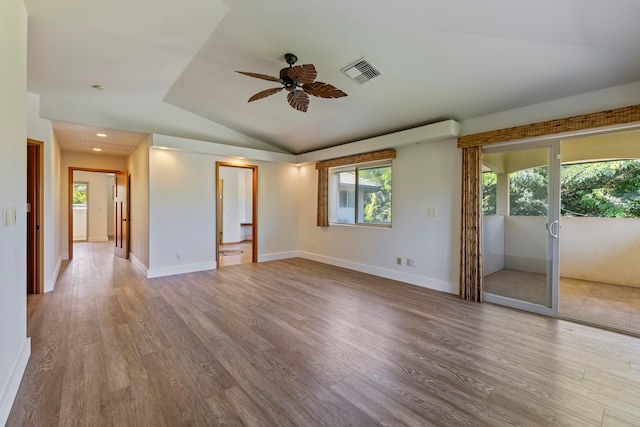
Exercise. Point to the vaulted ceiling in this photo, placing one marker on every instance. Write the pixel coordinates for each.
(168, 67)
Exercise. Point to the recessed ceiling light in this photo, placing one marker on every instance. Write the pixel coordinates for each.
(97, 87)
(97, 149)
(101, 135)
(240, 158)
(163, 148)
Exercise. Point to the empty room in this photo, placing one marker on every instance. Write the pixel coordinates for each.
(320, 213)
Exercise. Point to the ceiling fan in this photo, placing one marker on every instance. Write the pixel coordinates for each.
(299, 81)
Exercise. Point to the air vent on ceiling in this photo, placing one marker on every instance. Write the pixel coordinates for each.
(362, 70)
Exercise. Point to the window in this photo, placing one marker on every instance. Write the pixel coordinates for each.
(489, 182)
(361, 194)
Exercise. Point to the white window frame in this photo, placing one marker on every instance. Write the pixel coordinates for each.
(334, 194)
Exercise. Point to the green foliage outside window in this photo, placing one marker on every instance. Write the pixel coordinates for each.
(489, 183)
(377, 206)
(79, 194)
(601, 189)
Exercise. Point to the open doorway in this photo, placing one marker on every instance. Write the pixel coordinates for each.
(236, 214)
(98, 209)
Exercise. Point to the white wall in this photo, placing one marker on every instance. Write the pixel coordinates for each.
(178, 179)
(97, 204)
(138, 167)
(42, 130)
(424, 176)
(80, 226)
(79, 160)
(601, 250)
(492, 244)
(15, 347)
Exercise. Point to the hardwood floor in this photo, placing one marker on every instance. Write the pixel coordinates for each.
(298, 343)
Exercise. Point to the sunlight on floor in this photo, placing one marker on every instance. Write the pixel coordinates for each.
(600, 303)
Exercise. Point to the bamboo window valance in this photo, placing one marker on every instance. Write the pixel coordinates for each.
(618, 116)
(323, 177)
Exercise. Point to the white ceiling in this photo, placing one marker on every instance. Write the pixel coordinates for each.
(455, 59)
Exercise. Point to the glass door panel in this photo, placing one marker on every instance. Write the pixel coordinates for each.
(520, 226)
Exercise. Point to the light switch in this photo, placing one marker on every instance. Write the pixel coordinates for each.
(14, 215)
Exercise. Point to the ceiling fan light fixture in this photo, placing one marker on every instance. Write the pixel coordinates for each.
(362, 70)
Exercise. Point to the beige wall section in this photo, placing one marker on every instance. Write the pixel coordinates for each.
(79, 160)
(601, 250)
(138, 167)
(15, 347)
(41, 129)
(424, 176)
(182, 211)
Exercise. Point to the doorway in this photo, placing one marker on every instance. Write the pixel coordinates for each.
(588, 187)
(106, 204)
(236, 214)
(35, 236)
(521, 214)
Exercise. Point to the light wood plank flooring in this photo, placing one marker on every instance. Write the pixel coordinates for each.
(298, 343)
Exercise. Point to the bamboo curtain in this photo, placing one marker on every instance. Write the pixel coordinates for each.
(323, 177)
(323, 197)
(471, 230)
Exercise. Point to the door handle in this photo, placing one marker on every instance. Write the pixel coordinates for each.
(551, 231)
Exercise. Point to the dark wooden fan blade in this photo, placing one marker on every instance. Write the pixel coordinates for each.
(265, 93)
(261, 76)
(306, 73)
(298, 100)
(323, 90)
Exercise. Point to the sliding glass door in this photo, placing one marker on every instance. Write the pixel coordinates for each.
(521, 225)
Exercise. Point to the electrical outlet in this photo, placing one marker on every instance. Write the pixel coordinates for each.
(407, 262)
(432, 212)
(7, 217)
(178, 255)
(14, 215)
(399, 261)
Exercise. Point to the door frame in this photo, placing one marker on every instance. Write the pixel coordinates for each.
(70, 200)
(38, 241)
(553, 216)
(254, 207)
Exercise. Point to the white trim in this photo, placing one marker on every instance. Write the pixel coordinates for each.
(412, 279)
(50, 283)
(138, 264)
(180, 269)
(98, 239)
(10, 390)
(278, 256)
(421, 134)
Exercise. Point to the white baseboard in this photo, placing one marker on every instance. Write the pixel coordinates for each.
(8, 394)
(50, 283)
(180, 269)
(413, 279)
(138, 264)
(98, 239)
(277, 256)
